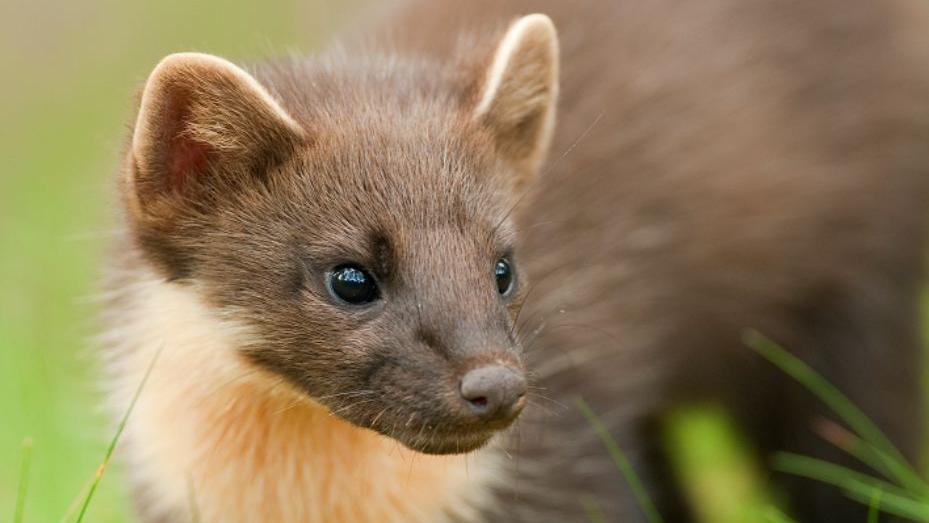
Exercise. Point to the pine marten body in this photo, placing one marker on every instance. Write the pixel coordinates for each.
(351, 266)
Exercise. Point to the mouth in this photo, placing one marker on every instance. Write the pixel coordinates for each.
(443, 423)
(448, 443)
(428, 438)
(450, 438)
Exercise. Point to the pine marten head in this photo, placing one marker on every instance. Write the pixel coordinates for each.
(355, 215)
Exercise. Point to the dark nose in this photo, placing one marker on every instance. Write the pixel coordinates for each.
(494, 392)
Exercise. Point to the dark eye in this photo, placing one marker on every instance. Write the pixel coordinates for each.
(503, 272)
(352, 284)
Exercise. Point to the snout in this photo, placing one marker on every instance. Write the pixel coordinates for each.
(493, 394)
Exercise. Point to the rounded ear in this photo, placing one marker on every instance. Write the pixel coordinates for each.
(519, 91)
(203, 123)
(206, 129)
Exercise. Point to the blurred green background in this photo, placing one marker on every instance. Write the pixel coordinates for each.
(70, 71)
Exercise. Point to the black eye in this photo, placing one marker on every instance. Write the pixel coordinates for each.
(352, 284)
(504, 275)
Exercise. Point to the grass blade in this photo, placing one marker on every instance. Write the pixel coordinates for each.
(773, 515)
(875, 508)
(864, 451)
(23, 481)
(893, 462)
(858, 486)
(622, 463)
(76, 502)
(906, 508)
(714, 465)
(119, 432)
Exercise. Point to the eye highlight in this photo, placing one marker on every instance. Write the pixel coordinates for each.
(503, 272)
(352, 284)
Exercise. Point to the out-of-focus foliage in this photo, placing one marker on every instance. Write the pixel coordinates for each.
(70, 70)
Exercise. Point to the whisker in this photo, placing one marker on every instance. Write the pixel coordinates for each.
(348, 393)
(515, 329)
(378, 416)
(347, 408)
(544, 408)
(573, 146)
(547, 170)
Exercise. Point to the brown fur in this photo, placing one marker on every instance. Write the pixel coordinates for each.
(715, 166)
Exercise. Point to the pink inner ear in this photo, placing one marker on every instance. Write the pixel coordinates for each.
(187, 158)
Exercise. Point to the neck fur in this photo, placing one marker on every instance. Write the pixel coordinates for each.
(215, 436)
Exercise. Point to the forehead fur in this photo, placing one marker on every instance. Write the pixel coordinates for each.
(390, 137)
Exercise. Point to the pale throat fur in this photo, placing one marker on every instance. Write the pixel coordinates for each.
(215, 434)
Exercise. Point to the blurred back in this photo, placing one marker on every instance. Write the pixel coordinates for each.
(716, 166)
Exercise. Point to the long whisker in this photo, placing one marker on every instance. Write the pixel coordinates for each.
(347, 408)
(519, 311)
(553, 401)
(350, 393)
(547, 170)
(573, 146)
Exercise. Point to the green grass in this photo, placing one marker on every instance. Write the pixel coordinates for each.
(722, 481)
(716, 468)
(70, 73)
(19, 514)
(868, 443)
(874, 508)
(895, 488)
(622, 463)
(98, 476)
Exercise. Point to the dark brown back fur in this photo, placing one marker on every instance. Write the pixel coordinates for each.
(717, 166)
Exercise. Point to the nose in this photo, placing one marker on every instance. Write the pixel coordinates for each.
(494, 392)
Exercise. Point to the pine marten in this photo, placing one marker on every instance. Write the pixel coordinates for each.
(359, 269)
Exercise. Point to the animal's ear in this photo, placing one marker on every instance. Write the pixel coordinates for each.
(518, 93)
(204, 127)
